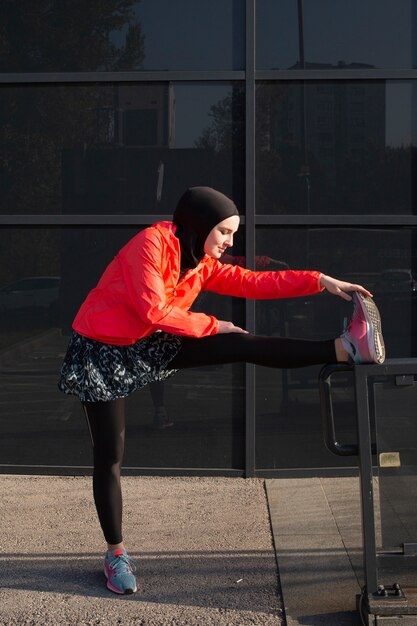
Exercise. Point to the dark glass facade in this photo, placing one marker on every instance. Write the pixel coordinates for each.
(288, 427)
(335, 147)
(303, 112)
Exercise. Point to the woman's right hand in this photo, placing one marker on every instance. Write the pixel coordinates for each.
(229, 327)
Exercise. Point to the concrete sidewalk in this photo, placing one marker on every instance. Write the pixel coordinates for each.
(203, 545)
(316, 524)
(204, 549)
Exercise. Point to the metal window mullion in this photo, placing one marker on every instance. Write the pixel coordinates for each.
(120, 77)
(329, 220)
(80, 220)
(250, 226)
(85, 220)
(322, 221)
(322, 74)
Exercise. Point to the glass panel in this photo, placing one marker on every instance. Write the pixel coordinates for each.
(288, 424)
(122, 35)
(120, 149)
(396, 428)
(336, 147)
(392, 403)
(335, 35)
(44, 276)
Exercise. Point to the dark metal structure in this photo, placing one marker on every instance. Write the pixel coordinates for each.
(385, 404)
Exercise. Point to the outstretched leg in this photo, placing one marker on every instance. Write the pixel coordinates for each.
(362, 342)
(277, 352)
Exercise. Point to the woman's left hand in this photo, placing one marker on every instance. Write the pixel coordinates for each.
(341, 287)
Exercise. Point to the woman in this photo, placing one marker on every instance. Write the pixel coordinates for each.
(135, 328)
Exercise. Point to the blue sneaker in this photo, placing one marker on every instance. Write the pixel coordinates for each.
(119, 570)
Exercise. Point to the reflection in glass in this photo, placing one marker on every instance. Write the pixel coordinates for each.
(360, 35)
(45, 274)
(288, 423)
(118, 149)
(394, 409)
(396, 438)
(335, 147)
(122, 35)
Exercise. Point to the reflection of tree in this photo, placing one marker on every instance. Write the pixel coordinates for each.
(225, 137)
(68, 35)
(373, 179)
(38, 122)
(344, 178)
(225, 131)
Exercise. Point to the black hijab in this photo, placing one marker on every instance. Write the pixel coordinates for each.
(198, 211)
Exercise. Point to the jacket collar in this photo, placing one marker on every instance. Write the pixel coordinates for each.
(167, 230)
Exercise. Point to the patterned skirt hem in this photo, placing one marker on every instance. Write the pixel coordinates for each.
(98, 372)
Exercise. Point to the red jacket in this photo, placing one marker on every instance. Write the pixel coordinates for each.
(140, 293)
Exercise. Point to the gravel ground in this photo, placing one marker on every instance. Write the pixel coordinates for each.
(203, 547)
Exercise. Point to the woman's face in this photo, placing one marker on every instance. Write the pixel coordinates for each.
(221, 237)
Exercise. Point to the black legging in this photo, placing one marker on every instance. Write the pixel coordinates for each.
(106, 420)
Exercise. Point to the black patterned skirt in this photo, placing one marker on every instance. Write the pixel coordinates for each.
(96, 371)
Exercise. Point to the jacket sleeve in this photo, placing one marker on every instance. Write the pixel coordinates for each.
(141, 267)
(234, 280)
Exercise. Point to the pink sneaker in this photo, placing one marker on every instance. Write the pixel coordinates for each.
(363, 339)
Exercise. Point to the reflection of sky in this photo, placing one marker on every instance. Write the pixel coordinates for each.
(376, 32)
(188, 35)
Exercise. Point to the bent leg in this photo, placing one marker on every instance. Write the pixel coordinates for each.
(157, 391)
(278, 352)
(106, 421)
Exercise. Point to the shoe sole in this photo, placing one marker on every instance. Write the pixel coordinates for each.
(376, 344)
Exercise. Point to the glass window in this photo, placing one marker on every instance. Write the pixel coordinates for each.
(335, 34)
(288, 423)
(337, 147)
(45, 274)
(122, 35)
(118, 148)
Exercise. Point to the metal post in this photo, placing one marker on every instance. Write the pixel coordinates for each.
(366, 479)
(250, 226)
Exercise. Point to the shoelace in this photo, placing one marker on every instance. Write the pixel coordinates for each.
(346, 342)
(346, 325)
(129, 565)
